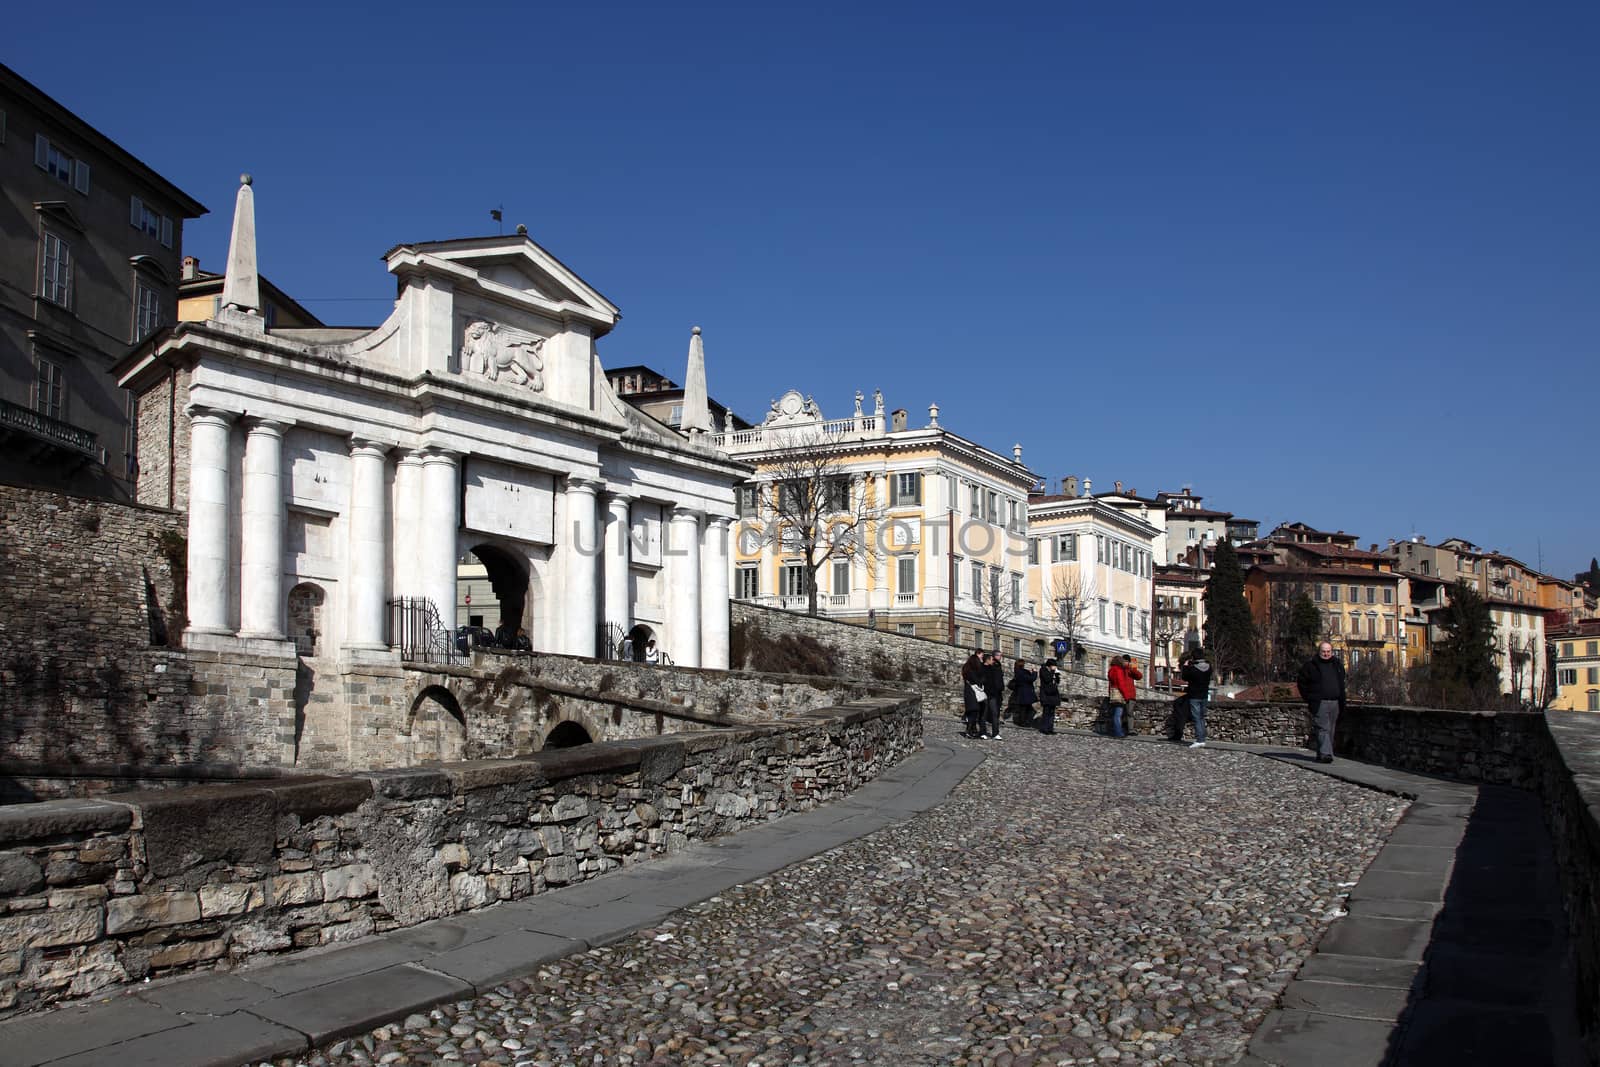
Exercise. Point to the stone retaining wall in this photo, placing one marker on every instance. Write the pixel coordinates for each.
(98, 892)
(932, 668)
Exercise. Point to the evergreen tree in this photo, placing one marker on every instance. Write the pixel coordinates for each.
(1230, 631)
(1305, 628)
(1463, 670)
(1591, 578)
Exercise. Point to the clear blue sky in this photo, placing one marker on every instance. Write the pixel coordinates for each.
(1335, 263)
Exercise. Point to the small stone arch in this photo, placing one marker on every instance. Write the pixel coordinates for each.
(568, 734)
(306, 602)
(437, 726)
(640, 636)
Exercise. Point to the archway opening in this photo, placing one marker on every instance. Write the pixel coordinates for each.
(568, 735)
(493, 598)
(437, 726)
(640, 640)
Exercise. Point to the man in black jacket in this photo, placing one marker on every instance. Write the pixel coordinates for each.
(1322, 687)
(994, 687)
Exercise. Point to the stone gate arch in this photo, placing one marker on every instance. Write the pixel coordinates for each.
(305, 613)
(568, 734)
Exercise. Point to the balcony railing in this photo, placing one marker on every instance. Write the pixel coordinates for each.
(833, 429)
(55, 431)
(902, 599)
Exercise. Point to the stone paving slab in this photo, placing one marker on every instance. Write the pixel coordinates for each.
(1365, 935)
(222, 994)
(1383, 1003)
(1360, 970)
(355, 1005)
(79, 1027)
(488, 963)
(1418, 859)
(1295, 1036)
(218, 1042)
(321, 967)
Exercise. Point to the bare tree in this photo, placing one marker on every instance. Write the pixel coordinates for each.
(1067, 597)
(1168, 623)
(1001, 601)
(812, 508)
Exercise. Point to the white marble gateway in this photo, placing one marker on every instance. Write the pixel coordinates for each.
(331, 472)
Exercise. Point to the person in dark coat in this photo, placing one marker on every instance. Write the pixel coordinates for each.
(1322, 687)
(1049, 696)
(994, 689)
(1196, 675)
(1023, 697)
(972, 693)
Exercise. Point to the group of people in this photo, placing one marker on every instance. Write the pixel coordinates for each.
(984, 686)
(983, 694)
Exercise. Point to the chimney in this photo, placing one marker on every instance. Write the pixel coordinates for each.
(1088, 487)
(1373, 547)
(897, 419)
(1016, 453)
(933, 416)
(1117, 486)
(1069, 486)
(191, 267)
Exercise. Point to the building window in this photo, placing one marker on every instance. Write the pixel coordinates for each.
(1066, 546)
(977, 582)
(749, 583)
(1388, 596)
(1116, 619)
(675, 415)
(55, 275)
(907, 489)
(841, 578)
(1594, 700)
(1102, 606)
(906, 574)
(1334, 619)
(1355, 594)
(1191, 533)
(146, 220)
(1567, 676)
(1016, 592)
(1033, 551)
(1423, 563)
(147, 310)
(1372, 594)
(1590, 648)
(907, 629)
(53, 161)
(976, 501)
(993, 513)
(49, 393)
(746, 500)
(1316, 592)
(1333, 594)
(792, 579)
(1592, 676)
(836, 495)
(1566, 650)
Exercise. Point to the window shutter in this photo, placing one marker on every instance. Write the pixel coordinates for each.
(135, 212)
(41, 151)
(1055, 549)
(80, 176)
(166, 231)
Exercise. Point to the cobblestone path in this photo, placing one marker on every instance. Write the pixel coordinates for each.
(1076, 900)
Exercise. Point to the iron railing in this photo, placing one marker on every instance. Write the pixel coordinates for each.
(53, 430)
(416, 628)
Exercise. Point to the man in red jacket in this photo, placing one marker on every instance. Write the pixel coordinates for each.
(1123, 673)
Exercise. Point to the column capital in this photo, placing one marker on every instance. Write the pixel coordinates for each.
(360, 443)
(681, 513)
(213, 416)
(578, 483)
(723, 521)
(434, 454)
(267, 426)
(624, 495)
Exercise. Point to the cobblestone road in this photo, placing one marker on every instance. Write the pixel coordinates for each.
(1076, 900)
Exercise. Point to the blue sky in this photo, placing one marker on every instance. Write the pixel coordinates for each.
(1328, 263)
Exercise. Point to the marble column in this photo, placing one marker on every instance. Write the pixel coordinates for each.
(407, 521)
(369, 556)
(261, 593)
(439, 509)
(618, 559)
(883, 567)
(583, 567)
(682, 559)
(208, 581)
(714, 593)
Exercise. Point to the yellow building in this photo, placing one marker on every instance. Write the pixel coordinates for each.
(944, 521)
(200, 297)
(1577, 666)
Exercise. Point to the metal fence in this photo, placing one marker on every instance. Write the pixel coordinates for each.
(417, 630)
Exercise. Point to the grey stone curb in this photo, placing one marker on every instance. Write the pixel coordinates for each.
(294, 1003)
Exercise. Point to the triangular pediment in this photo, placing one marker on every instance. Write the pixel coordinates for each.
(513, 270)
